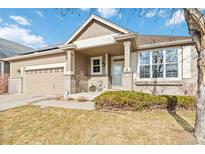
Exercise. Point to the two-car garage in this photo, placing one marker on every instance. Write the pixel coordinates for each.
(43, 80)
(38, 73)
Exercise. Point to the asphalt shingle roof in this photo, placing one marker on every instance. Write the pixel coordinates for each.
(9, 48)
(42, 49)
(152, 39)
(143, 40)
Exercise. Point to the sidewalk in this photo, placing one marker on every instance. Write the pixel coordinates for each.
(71, 104)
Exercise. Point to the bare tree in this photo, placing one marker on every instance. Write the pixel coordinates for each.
(196, 25)
(195, 21)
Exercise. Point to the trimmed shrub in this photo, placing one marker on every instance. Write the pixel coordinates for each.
(138, 101)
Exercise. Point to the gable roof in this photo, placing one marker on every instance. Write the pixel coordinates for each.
(144, 41)
(9, 48)
(99, 19)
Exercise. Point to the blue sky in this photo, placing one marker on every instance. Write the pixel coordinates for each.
(41, 27)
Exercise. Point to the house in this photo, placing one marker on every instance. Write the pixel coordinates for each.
(8, 49)
(100, 56)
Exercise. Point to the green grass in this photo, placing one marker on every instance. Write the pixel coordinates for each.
(35, 125)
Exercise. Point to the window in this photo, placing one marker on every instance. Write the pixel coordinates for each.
(96, 65)
(171, 63)
(1, 63)
(159, 63)
(145, 64)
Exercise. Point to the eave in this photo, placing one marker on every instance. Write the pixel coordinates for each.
(165, 44)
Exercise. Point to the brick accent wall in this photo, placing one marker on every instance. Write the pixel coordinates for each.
(4, 83)
(81, 83)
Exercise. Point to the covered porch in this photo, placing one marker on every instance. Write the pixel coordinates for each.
(97, 68)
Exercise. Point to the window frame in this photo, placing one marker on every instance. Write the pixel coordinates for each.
(171, 63)
(143, 65)
(164, 78)
(92, 70)
(157, 64)
(2, 68)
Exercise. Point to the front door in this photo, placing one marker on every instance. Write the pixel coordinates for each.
(117, 68)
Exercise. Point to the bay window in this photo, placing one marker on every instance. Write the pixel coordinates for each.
(161, 63)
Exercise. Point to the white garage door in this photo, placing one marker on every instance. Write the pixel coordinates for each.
(44, 81)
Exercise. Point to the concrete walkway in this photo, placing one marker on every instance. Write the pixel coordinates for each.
(16, 100)
(71, 104)
(89, 96)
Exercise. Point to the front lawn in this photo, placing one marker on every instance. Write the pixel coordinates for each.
(35, 125)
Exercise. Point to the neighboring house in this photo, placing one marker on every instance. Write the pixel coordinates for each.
(8, 49)
(100, 56)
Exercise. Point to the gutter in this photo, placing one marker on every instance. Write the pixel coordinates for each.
(35, 54)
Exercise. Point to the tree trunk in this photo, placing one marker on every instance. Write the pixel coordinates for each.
(200, 109)
(196, 24)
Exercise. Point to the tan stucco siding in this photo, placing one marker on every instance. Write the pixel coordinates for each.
(95, 29)
(81, 64)
(46, 59)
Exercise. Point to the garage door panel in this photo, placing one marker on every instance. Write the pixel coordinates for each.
(46, 81)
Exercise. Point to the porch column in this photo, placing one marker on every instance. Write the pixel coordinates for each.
(127, 65)
(127, 76)
(69, 78)
(107, 71)
(70, 62)
(106, 64)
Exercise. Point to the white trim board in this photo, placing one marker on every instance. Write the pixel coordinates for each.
(44, 66)
(94, 17)
(97, 41)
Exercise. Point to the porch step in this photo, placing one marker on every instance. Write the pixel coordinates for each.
(89, 96)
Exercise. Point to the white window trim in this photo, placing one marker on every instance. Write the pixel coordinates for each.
(179, 78)
(96, 58)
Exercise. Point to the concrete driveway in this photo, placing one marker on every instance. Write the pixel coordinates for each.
(10, 101)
